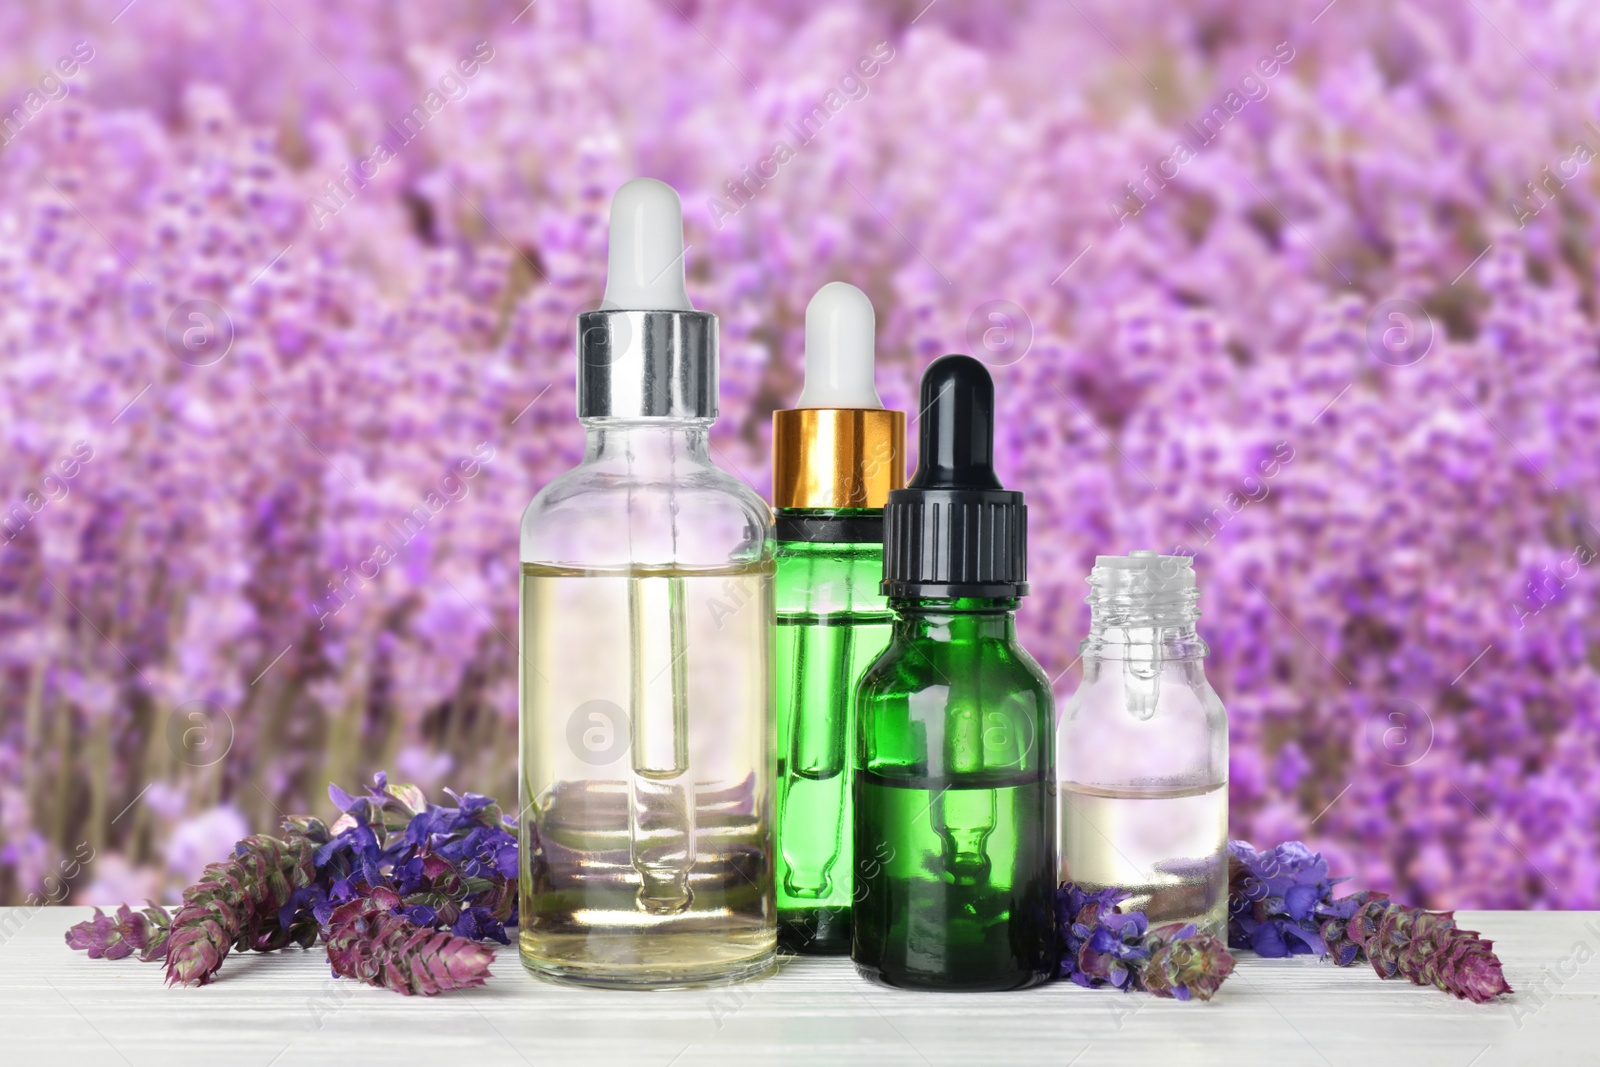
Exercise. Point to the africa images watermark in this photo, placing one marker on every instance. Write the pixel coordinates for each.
(451, 85)
(737, 591)
(1542, 191)
(52, 489)
(1531, 999)
(1252, 489)
(1198, 133)
(54, 889)
(52, 86)
(755, 177)
(1547, 586)
(452, 488)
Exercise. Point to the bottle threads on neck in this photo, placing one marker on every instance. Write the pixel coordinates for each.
(1143, 590)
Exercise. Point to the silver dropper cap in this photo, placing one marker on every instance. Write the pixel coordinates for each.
(646, 353)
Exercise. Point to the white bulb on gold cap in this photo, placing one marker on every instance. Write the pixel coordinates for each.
(840, 343)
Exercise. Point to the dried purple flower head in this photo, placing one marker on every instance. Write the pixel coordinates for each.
(1098, 940)
(370, 940)
(144, 932)
(1281, 903)
(1423, 946)
(452, 867)
(1277, 899)
(99, 936)
(237, 904)
(1184, 963)
(1098, 944)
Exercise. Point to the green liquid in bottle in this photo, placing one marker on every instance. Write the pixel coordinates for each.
(954, 804)
(952, 897)
(832, 623)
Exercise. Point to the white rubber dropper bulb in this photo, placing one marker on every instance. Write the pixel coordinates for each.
(840, 336)
(644, 265)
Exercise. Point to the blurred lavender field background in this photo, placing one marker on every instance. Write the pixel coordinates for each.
(1341, 346)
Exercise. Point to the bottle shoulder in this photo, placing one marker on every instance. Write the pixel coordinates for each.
(831, 578)
(981, 712)
(988, 670)
(1175, 689)
(604, 515)
(897, 701)
(1132, 723)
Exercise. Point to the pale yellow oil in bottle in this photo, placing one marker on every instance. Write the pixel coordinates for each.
(646, 829)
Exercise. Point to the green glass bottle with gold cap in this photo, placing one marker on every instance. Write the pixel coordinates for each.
(835, 456)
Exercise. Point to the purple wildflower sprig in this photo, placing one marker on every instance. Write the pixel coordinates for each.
(117, 937)
(1278, 900)
(379, 888)
(1100, 945)
(451, 867)
(1281, 904)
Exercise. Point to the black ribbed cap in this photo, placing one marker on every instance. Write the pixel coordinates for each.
(953, 531)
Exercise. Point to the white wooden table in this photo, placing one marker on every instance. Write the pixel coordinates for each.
(59, 1007)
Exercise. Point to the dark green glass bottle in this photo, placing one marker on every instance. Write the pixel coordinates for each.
(835, 458)
(954, 757)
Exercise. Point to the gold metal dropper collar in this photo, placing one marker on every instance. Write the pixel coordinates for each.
(837, 457)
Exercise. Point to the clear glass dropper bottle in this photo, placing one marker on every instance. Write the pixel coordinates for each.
(1143, 749)
(835, 457)
(646, 638)
(954, 759)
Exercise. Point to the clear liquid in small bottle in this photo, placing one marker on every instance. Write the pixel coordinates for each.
(1168, 847)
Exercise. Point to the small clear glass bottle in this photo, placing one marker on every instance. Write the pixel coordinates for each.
(647, 754)
(1142, 748)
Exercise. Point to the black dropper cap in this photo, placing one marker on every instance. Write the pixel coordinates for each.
(953, 531)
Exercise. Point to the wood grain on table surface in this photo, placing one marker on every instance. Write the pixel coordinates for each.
(59, 1007)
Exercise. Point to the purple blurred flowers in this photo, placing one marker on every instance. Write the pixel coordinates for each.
(1429, 542)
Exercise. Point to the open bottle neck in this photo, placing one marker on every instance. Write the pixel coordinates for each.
(1143, 626)
(1179, 641)
(1143, 607)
